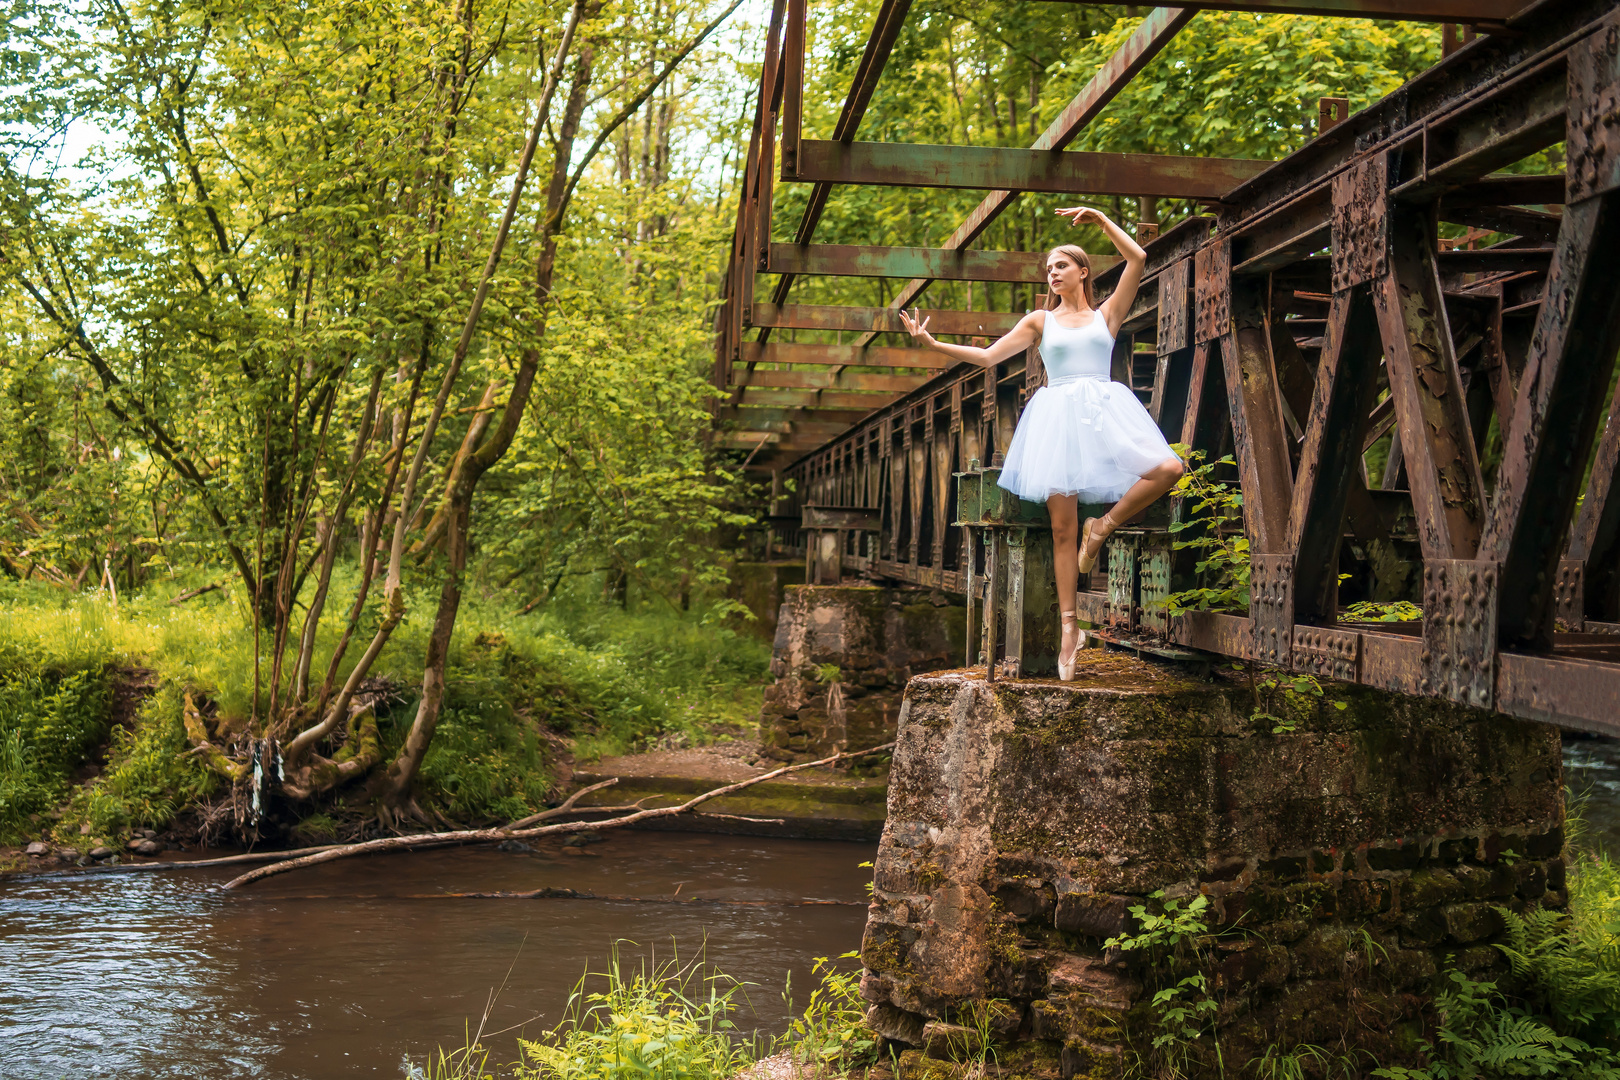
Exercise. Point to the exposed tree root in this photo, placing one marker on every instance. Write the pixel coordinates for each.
(474, 836)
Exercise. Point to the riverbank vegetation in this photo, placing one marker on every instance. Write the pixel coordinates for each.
(96, 702)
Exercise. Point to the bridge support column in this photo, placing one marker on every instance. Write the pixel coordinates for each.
(1342, 863)
(841, 659)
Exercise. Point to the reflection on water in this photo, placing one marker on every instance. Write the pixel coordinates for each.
(1592, 777)
(340, 970)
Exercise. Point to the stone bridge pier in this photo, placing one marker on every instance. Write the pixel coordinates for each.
(842, 656)
(1348, 861)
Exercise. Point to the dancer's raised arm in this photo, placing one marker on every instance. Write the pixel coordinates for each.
(1019, 338)
(1118, 305)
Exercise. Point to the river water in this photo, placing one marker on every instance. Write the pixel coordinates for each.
(343, 969)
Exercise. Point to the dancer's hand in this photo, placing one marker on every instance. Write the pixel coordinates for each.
(1082, 215)
(916, 325)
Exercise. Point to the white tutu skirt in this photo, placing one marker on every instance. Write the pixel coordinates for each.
(1087, 436)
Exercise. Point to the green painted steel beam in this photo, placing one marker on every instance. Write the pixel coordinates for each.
(1067, 172)
(848, 260)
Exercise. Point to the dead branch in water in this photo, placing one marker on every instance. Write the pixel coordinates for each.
(476, 836)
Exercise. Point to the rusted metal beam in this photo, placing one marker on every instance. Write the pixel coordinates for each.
(883, 320)
(1066, 172)
(891, 17)
(777, 397)
(1154, 32)
(749, 417)
(1330, 457)
(843, 355)
(849, 260)
(1571, 356)
(1467, 12)
(826, 380)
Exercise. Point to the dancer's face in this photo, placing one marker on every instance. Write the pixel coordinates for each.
(1063, 274)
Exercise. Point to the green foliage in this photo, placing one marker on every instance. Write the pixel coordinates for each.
(149, 777)
(55, 696)
(1563, 1016)
(1241, 85)
(831, 1033)
(1306, 1061)
(667, 1022)
(1175, 934)
(1211, 524)
(1290, 693)
(1381, 611)
(1484, 1035)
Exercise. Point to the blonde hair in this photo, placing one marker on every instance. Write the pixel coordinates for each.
(1078, 254)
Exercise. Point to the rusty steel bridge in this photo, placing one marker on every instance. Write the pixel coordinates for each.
(1313, 309)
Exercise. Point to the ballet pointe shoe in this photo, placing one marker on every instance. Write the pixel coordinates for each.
(1088, 561)
(1066, 670)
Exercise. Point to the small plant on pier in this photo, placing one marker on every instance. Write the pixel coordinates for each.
(1175, 934)
(1210, 523)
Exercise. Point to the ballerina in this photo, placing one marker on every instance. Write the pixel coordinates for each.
(1082, 436)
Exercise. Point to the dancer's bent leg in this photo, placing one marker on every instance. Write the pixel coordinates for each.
(1065, 558)
(1154, 483)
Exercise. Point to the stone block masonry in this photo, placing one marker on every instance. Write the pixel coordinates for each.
(1346, 863)
(843, 654)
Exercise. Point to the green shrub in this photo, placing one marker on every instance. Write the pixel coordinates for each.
(831, 1033)
(667, 1023)
(149, 777)
(49, 721)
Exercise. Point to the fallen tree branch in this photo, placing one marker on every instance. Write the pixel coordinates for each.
(199, 591)
(565, 806)
(474, 836)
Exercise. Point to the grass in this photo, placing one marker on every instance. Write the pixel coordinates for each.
(657, 1021)
(578, 675)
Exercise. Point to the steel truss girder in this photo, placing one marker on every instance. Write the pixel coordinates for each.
(1254, 344)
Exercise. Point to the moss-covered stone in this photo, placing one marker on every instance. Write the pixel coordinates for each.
(1340, 861)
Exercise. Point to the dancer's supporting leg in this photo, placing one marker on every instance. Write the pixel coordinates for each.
(1065, 557)
(1154, 483)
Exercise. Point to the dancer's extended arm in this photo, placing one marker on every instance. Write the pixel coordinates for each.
(1118, 305)
(1016, 340)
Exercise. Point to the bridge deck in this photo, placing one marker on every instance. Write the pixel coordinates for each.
(1313, 312)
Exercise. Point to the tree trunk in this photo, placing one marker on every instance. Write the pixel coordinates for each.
(394, 786)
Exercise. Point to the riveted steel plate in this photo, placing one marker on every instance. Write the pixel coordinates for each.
(1121, 553)
(1271, 608)
(1360, 222)
(1153, 568)
(1212, 287)
(1328, 653)
(1175, 302)
(1592, 132)
(1569, 594)
(1459, 630)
